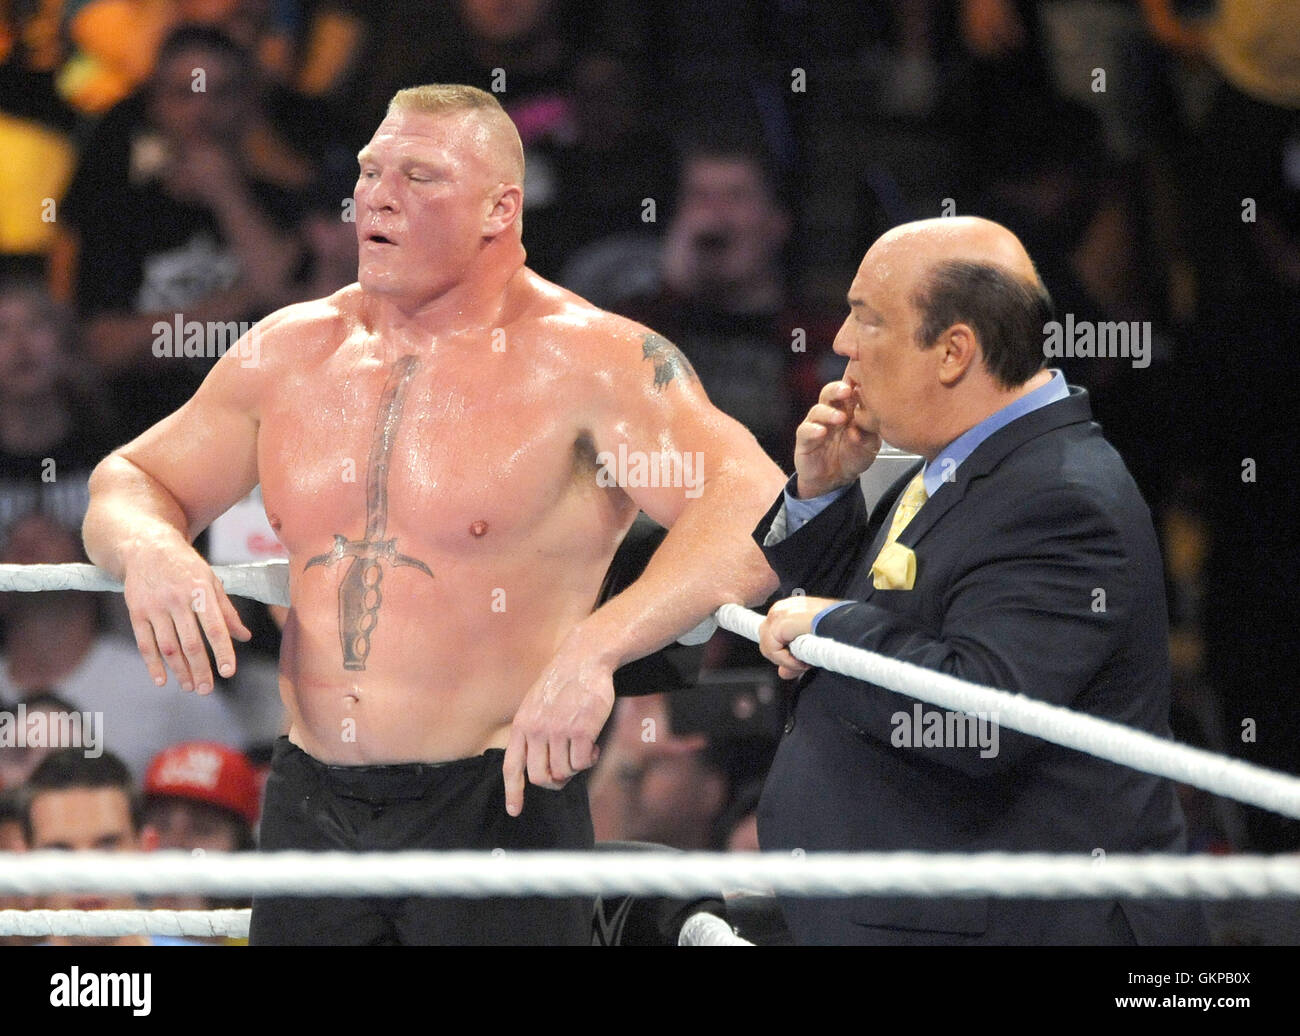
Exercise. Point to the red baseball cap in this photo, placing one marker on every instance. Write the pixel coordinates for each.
(205, 771)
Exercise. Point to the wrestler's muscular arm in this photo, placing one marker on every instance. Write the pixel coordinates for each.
(151, 497)
(653, 404)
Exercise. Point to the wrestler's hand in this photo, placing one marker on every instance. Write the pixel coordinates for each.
(786, 620)
(172, 595)
(554, 732)
(831, 449)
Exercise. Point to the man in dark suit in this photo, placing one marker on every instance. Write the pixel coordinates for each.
(1020, 555)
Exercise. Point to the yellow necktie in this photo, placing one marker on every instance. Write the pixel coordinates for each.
(895, 565)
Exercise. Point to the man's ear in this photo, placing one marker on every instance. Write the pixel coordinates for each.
(149, 839)
(959, 350)
(507, 204)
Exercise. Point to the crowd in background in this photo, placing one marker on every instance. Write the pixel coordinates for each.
(715, 170)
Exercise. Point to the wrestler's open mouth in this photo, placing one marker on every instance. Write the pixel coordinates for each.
(379, 239)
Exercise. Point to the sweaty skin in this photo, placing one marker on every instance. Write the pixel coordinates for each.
(491, 486)
(427, 442)
(501, 442)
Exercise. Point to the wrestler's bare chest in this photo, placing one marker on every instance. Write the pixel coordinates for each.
(403, 455)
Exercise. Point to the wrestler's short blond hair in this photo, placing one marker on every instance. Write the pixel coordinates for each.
(452, 98)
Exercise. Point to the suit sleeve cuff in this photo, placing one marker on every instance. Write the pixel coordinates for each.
(826, 611)
(800, 512)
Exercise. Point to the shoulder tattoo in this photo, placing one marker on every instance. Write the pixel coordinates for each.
(670, 362)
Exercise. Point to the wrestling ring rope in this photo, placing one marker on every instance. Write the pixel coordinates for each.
(1029, 875)
(702, 929)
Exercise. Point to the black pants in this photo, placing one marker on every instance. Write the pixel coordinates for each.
(456, 805)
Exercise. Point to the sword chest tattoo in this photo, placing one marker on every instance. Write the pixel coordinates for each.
(359, 590)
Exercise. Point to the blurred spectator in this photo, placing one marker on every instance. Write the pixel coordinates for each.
(32, 48)
(331, 247)
(329, 240)
(617, 162)
(54, 428)
(1247, 148)
(118, 41)
(1243, 208)
(741, 714)
(43, 713)
(55, 640)
(680, 769)
(588, 144)
(1252, 43)
(376, 49)
(758, 65)
(82, 803)
(1002, 47)
(1088, 227)
(201, 796)
(170, 215)
(724, 299)
(333, 35)
(525, 54)
(35, 133)
(612, 183)
(651, 785)
(13, 840)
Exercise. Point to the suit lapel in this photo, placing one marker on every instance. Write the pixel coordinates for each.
(1074, 409)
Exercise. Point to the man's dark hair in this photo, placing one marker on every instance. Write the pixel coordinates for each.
(55, 314)
(244, 840)
(70, 768)
(47, 700)
(742, 151)
(190, 36)
(1006, 312)
(11, 805)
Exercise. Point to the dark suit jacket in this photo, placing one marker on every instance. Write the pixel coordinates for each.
(1037, 572)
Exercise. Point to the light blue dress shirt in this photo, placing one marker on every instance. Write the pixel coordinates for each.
(945, 464)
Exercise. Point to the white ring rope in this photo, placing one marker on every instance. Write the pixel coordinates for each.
(1231, 778)
(702, 929)
(679, 875)
(268, 582)
(265, 581)
(705, 929)
(229, 924)
(1029, 875)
